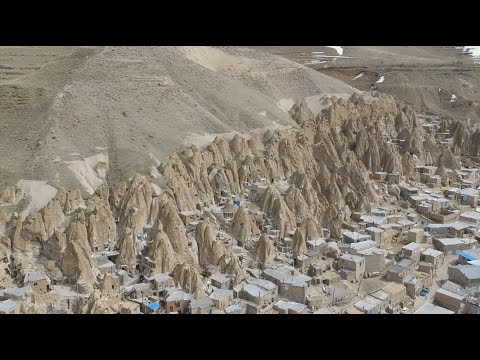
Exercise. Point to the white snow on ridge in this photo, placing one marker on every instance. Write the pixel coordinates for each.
(473, 51)
(317, 52)
(359, 76)
(339, 49)
(382, 78)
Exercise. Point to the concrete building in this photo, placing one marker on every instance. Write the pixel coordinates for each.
(374, 260)
(188, 216)
(239, 307)
(16, 293)
(471, 217)
(415, 235)
(373, 220)
(370, 305)
(353, 264)
(466, 275)
(221, 281)
(406, 225)
(317, 268)
(413, 285)
(397, 294)
(290, 307)
(178, 301)
(459, 228)
(412, 251)
(330, 278)
(317, 244)
(472, 305)
(431, 309)
(160, 282)
(383, 296)
(105, 266)
(393, 178)
(439, 230)
(451, 246)
(303, 261)
(468, 255)
(221, 298)
(37, 281)
(261, 293)
(355, 248)
(137, 291)
(468, 196)
(397, 272)
(425, 267)
(450, 300)
(10, 307)
(291, 287)
(376, 234)
(201, 306)
(354, 237)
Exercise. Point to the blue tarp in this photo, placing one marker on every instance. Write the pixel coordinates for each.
(153, 306)
(236, 203)
(424, 292)
(467, 256)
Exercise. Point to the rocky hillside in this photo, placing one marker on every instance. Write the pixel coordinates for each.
(65, 110)
(315, 177)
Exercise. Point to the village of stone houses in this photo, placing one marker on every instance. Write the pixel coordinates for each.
(363, 206)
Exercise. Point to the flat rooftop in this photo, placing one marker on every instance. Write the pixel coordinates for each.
(220, 294)
(433, 309)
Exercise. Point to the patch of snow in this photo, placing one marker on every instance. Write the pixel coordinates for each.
(453, 98)
(262, 113)
(317, 52)
(473, 51)
(439, 90)
(39, 192)
(359, 76)
(339, 49)
(382, 78)
(334, 56)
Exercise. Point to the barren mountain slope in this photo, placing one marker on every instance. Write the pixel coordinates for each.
(134, 105)
(425, 77)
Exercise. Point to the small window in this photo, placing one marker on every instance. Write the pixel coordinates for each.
(113, 287)
(34, 284)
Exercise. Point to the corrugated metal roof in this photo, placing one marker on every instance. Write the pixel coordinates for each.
(153, 306)
(466, 256)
